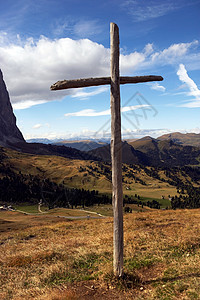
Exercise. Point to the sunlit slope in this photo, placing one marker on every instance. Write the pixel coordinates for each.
(145, 181)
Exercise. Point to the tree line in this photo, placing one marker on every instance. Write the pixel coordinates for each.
(26, 188)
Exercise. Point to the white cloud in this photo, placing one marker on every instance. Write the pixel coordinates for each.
(156, 86)
(128, 63)
(88, 113)
(37, 126)
(191, 85)
(172, 53)
(183, 76)
(94, 113)
(27, 104)
(130, 108)
(148, 49)
(31, 67)
(82, 94)
(192, 104)
(86, 134)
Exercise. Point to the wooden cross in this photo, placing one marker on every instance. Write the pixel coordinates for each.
(116, 153)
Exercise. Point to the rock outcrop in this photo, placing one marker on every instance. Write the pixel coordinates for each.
(9, 132)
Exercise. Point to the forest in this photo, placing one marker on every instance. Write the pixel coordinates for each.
(20, 188)
(16, 187)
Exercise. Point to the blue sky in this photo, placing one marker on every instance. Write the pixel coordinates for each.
(44, 41)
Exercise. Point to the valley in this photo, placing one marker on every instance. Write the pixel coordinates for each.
(92, 175)
(71, 183)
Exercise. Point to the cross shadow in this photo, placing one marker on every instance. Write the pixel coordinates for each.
(172, 279)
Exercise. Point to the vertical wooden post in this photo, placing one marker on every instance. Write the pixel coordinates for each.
(116, 144)
(116, 152)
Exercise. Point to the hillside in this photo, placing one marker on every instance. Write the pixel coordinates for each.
(188, 139)
(166, 152)
(152, 152)
(48, 149)
(46, 258)
(129, 154)
(55, 173)
(173, 149)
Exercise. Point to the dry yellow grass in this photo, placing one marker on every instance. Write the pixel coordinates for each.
(43, 257)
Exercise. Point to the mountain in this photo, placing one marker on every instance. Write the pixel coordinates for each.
(40, 140)
(129, 154)
(43, 149)
(152, 152)
(83, 145)
(188, 139)
(11, 136)
(166, 152)
(9, 132)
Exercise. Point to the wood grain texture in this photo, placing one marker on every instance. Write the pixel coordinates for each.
(116, 152)
(85, 82)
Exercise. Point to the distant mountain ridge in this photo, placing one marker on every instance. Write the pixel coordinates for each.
(188, 139)
(167, 152)
(40, 140)
(185, 139)
(149, 151)
(152, 152)
(44, 149)
(82, 145)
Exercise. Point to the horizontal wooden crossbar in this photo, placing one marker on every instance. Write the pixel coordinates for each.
(85, 82)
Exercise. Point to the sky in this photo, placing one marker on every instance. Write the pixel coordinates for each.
(43, 41)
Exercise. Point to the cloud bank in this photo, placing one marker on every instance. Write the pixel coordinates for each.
(106, 135)
(31, 67)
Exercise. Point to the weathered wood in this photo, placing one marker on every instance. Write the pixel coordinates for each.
(115, 80)
(85, 82)
(116, 152)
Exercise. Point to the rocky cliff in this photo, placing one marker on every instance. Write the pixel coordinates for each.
(9, 132)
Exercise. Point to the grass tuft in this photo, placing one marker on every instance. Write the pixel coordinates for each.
(127, 281)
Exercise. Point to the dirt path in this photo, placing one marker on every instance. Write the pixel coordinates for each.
(97, 216)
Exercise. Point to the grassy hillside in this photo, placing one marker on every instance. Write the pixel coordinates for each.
(152, 152)
(129, 154)
(149, 182)
(166, 152)
(45, 257)
(190, 139)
